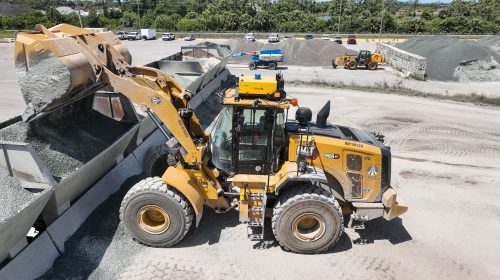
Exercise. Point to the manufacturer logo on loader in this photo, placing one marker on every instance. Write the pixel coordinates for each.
(332, 156)
(372, 171)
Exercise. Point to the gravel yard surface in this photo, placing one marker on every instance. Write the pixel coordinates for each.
(446, 166)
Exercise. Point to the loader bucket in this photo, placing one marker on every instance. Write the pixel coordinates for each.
(52, 69)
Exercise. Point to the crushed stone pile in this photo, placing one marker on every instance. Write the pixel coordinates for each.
(44, 82)
(67, 138)
(13, 196)
(450, 59)
(296, 52)
(492, 41)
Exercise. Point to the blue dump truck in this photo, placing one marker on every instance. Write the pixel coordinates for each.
(265, 58)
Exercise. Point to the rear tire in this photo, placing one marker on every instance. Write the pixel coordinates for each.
(272, 66)
(307, 220)
(372, 65)
(156, 214)
(252, 66)
(353, 65)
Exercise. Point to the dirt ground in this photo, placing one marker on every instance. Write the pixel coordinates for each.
(446, 168)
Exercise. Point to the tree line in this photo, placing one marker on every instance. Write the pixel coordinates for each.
(345, 16)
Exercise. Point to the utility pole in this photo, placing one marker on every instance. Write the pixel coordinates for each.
(79, 7)
(415, 3)
(138, 14)
(381, 22)
(340, 15)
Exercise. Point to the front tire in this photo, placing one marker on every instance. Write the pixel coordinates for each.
(353, 65)
(252, 66)
(307, 220)
(156, 214)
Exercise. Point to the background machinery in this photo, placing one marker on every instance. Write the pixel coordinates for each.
(305, 175)
(364, 58)
(266, 58)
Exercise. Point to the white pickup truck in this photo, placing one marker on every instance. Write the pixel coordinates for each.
(168, 37)
(132, 36)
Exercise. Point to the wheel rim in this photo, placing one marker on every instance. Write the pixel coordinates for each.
(308, 227)
(153, 219)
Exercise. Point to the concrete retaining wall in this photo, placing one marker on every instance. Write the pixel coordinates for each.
(409, 64)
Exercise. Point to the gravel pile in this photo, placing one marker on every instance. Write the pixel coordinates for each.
(13, 196)
(44, 82)
(296, 52)
(68, 138)
(450, 59)
(492, 41)
(101, 248)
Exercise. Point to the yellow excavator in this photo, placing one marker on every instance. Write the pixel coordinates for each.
(303, 175)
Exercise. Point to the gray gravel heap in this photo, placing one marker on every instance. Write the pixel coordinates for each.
(68, 138)
(13, 196)
(44, 81)
(296, 52)
(492, 41)
(451, 59)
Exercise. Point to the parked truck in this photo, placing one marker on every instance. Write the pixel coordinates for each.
(266, 58)
(148, 34)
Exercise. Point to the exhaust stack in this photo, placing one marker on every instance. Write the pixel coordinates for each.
(323, 115)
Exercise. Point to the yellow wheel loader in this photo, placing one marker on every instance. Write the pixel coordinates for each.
(304, 175)
(367, 59)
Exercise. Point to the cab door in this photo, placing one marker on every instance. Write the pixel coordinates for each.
(259, 139)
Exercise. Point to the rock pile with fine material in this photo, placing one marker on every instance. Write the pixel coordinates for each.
(450, 59)
(13, 196)
(295, 52)
(492, 41)
(68, 138)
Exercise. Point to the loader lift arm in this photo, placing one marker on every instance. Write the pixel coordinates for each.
(148, 87)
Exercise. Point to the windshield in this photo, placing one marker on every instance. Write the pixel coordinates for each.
(222, 140)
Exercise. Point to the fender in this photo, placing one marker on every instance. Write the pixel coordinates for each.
(180, 179)
(322, 179)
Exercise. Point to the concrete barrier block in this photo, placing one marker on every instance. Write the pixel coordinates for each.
(33, 261)
(64, 227)
(409, 64)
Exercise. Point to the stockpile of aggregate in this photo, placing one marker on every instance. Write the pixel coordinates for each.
(67, 138)
(450, 59)
(296, 52)
(492, 41)
(13, 195)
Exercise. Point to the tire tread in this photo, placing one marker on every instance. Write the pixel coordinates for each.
(156, 185)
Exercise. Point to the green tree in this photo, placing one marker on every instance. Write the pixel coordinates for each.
(164, 22)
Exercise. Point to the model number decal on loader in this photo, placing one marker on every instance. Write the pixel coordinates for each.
(332, 156)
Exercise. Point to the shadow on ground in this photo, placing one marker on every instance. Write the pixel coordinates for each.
(380, 229)
(210, 228)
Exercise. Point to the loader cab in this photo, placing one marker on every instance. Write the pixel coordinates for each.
(364, 56)
(249, 140)
(249, 134)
